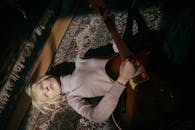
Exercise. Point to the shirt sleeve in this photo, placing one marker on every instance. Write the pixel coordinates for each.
(102, 111)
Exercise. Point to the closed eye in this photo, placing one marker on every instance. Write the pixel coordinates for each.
(46, 95)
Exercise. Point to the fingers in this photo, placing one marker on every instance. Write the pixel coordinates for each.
(125, 61)
(127, 71)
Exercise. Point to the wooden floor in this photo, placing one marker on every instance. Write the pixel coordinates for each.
(40, 68)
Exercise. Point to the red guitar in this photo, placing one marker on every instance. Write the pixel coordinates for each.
(132, 110)
(123, 114)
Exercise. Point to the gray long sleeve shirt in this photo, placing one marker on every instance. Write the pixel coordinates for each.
(89, 80)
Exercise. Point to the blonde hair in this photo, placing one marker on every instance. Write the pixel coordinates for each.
(45, 106)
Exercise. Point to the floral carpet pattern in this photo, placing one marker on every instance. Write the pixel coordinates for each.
(85, 32)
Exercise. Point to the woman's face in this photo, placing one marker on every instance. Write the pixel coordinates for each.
(48, 89)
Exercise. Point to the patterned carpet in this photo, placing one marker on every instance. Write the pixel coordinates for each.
(86, 31)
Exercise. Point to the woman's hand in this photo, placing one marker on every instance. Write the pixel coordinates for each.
(127, 70)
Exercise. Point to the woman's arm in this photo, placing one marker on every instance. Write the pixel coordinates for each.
(102, 111)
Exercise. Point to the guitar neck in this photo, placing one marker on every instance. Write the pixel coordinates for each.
(121, 45)
(110, 23)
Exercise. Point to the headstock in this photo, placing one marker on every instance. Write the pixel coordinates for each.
(97, 5)
(100, 6)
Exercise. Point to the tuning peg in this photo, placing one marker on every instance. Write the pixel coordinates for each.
(90, 6)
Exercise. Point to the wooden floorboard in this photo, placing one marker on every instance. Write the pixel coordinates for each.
(40, 68)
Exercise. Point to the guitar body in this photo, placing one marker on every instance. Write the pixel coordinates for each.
(151, 102)
(126, 115)
(147, 106)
